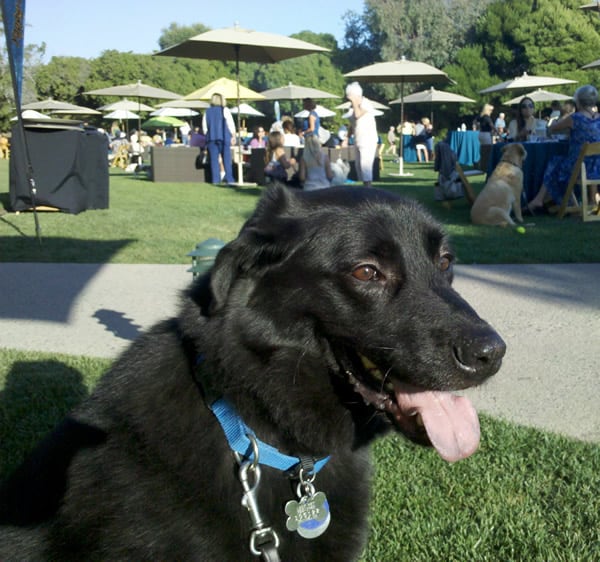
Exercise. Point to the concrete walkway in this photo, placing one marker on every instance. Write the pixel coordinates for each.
(549, 316)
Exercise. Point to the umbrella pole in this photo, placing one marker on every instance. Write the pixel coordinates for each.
(240, 163)
(401, 157)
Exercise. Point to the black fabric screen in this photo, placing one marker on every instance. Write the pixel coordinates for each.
(70, 168)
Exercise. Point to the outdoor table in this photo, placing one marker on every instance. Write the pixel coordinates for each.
(538, 156)
(466, 146)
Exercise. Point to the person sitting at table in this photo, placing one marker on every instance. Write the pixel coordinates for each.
(500, 125)
(315, 169)
(278, 166)
(258, 139)
(290, 138)
(424, 139)
(525, 124)
(584, 126)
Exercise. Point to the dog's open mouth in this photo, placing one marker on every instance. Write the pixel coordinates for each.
(431, 417)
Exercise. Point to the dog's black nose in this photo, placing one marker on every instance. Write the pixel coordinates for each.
(479, 355)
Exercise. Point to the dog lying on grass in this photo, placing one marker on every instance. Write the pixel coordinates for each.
(240, 429)
(502, 191)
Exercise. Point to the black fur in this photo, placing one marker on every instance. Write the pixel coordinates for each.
(278, 322)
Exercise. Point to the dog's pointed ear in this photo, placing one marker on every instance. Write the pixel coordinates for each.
(265, 239)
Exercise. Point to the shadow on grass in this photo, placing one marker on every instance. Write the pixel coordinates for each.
(36, 397)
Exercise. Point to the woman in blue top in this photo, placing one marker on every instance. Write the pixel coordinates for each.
(584, 126)
(219, 128)
(313, 121)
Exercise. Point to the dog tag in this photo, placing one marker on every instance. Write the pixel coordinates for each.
(309, 516)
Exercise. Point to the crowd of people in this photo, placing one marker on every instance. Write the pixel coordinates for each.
(577, 118)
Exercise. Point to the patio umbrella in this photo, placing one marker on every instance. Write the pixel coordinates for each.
(76, 110)
(137, 90)
(539, 95)
(31, 114)
(173, 112)
(49, 105)
(189, 104)
(127, 104)
(246, 109)
(526, 82)
(122, 115)
(162, 121)
(237, 44)
(591, 6)
(594, 64)
(399, 71)
(432, 96)
(375, 104)
(293, 92)
(321, 112)
(226, 87)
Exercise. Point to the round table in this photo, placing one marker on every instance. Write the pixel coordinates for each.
(534, 166)
(466, 146)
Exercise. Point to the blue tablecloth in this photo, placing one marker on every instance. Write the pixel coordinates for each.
(466, 146)
(409, 151)
(538, 156)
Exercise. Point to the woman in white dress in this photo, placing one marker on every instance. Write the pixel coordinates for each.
(365, 132)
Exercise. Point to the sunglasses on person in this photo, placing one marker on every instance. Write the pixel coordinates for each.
(526, 105)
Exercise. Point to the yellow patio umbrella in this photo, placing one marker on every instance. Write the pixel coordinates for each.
(225, 87)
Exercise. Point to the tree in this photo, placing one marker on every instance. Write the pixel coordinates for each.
(175, 34)
(32, 63)
(63, 78)
(539, 37)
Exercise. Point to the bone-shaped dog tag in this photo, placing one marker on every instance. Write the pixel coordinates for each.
(309, 516)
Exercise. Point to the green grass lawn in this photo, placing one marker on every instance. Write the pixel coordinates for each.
(524, 496)
(161, 222)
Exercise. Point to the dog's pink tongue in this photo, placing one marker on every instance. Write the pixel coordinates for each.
(451, 421)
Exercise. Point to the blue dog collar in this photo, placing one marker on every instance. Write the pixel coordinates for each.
(236, 432)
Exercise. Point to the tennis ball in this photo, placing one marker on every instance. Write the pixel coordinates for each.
(521, 229)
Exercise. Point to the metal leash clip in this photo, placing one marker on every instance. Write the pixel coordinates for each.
(263, 537)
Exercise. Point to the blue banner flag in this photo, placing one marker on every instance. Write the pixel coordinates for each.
(13, 16)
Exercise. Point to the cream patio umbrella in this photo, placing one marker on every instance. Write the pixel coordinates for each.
(375, 104)
(51, 105)
(432, 96)
(293, 92)
(526, 82)
(238, 44)
(399, 71)
(538, 95)
(174, 112)
(320, 110)
(128, 105)
(185, 104)
(137, 90)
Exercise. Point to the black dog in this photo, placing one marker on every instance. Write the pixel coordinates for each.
(330, 320)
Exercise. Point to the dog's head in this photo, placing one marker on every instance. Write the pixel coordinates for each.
(349, 289)
(514, 153)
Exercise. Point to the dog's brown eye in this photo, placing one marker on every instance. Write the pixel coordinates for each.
(445, 262)
(366, 273)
